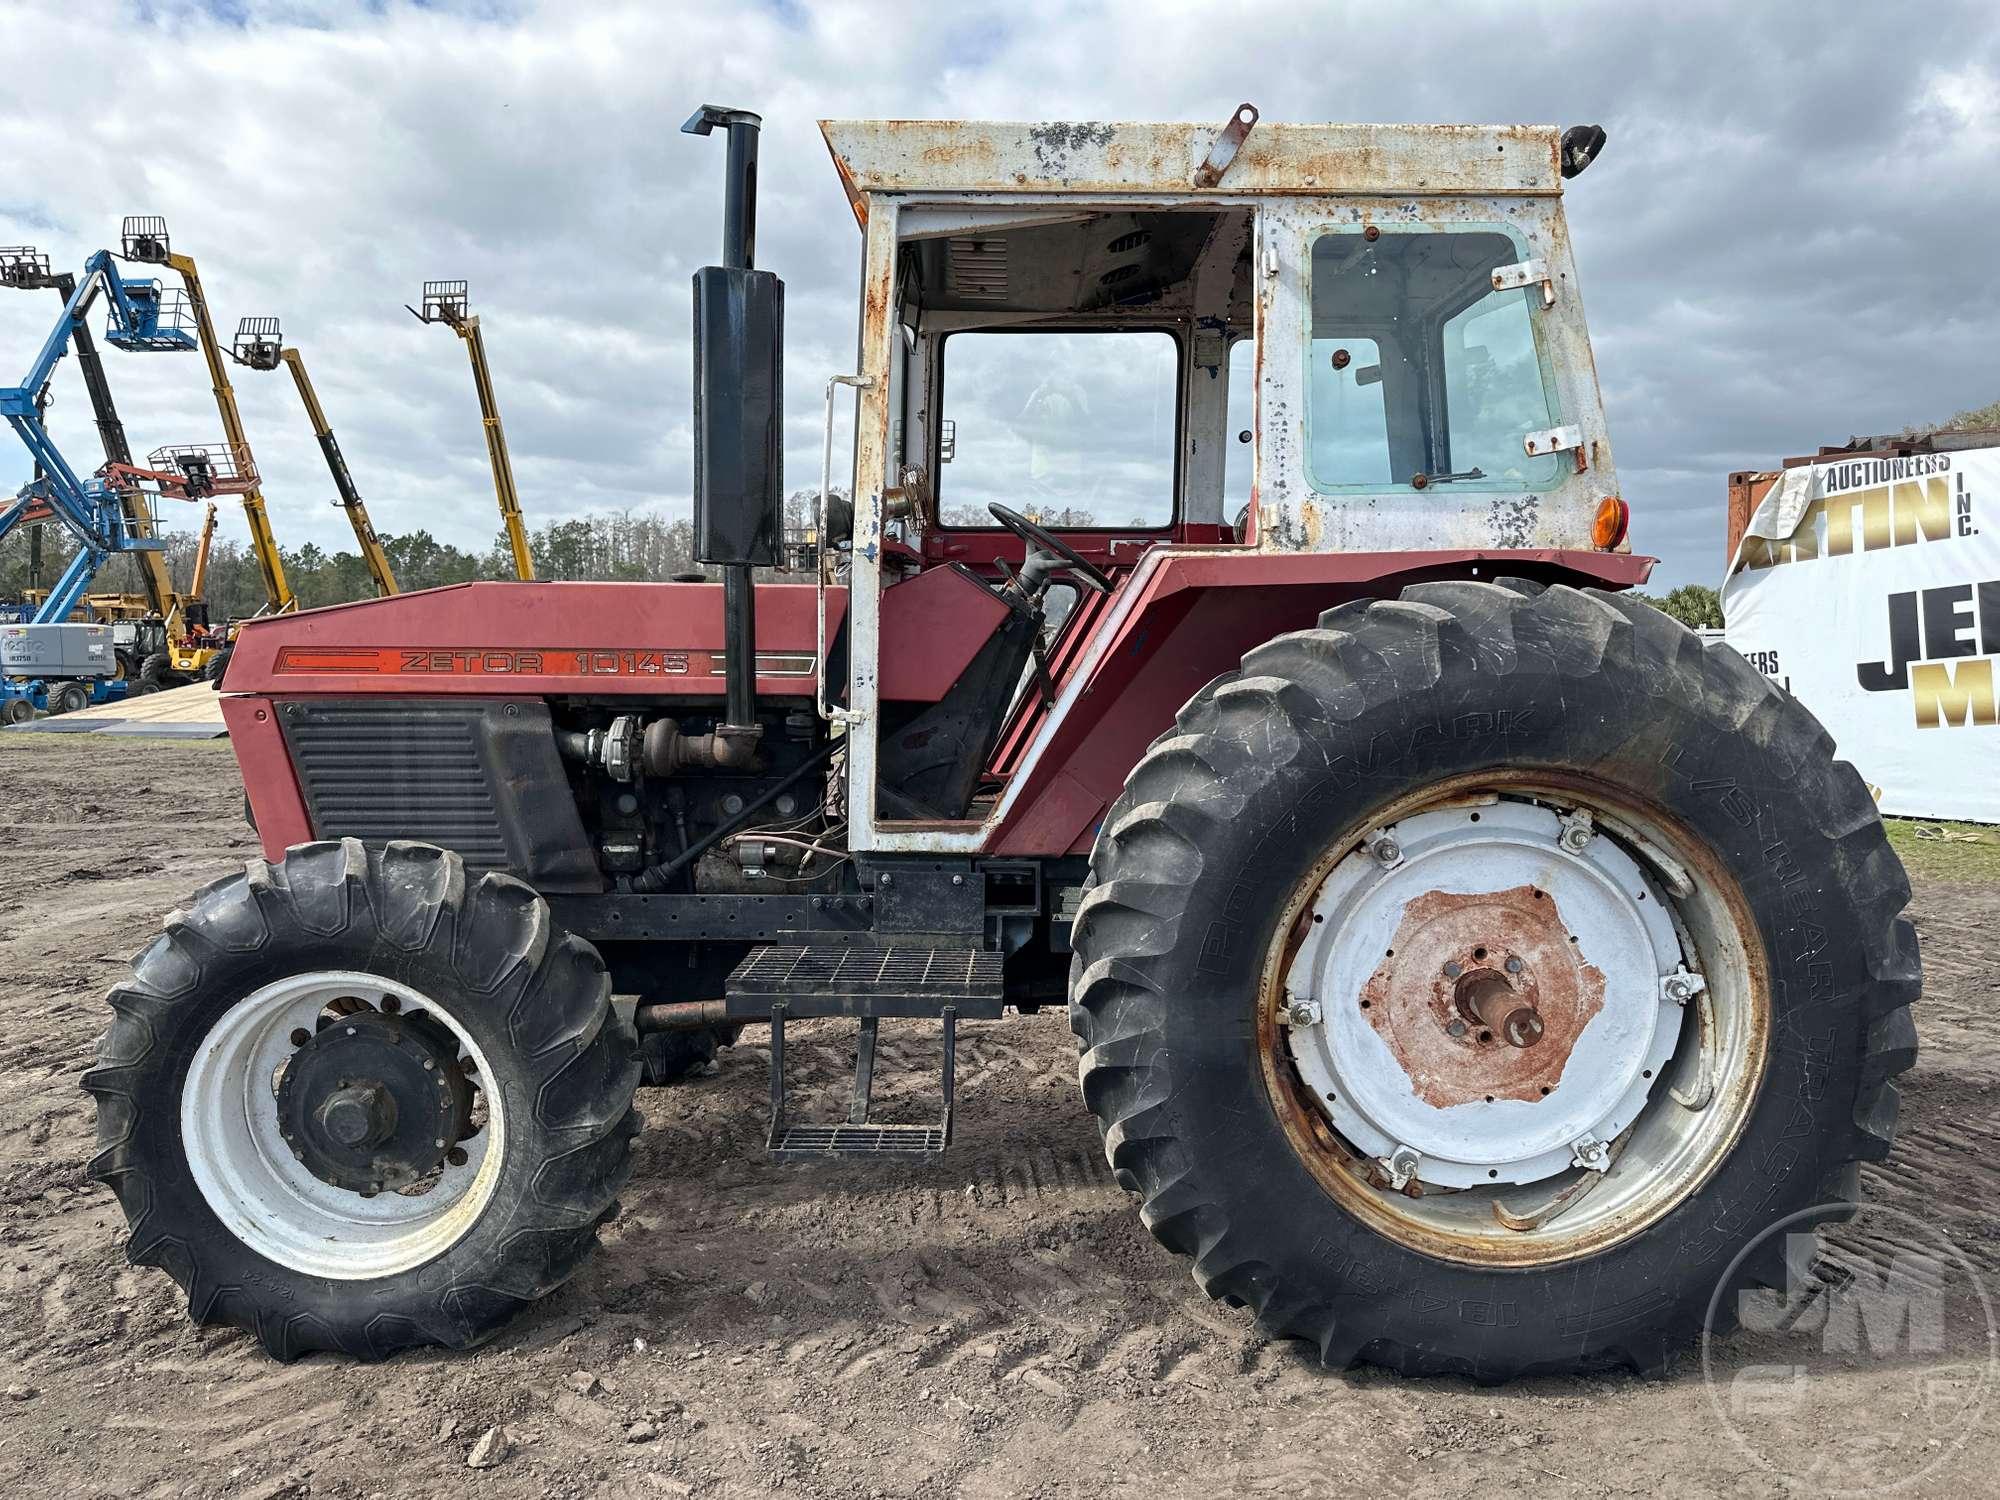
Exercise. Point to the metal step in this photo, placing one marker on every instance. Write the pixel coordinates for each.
(854, 981)
(858, 1135)
(861, 1140)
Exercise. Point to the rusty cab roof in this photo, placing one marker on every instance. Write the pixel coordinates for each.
(1097, 158)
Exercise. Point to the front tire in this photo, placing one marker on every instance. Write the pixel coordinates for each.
(1383, 1184)
(355, 1102)
(156, 673)
(68, 698)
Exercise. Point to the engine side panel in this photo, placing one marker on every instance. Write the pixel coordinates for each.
(603, 640)
(480, 777)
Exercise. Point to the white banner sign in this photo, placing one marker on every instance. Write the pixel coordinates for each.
(1870, 587)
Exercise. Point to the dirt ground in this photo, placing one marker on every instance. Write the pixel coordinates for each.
(997, 1323)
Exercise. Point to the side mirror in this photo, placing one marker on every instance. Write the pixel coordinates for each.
(947, 440)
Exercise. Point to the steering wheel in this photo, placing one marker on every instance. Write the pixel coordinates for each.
(1090, 577)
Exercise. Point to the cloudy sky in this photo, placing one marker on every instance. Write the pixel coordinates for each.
(1791, 236)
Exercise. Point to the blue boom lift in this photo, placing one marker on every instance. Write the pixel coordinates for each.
(142, 316)
(24, 268)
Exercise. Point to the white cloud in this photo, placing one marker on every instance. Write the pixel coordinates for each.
(1777, 247)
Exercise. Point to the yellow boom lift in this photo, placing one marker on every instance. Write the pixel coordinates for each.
(198, 579)
(445, 302)
(260, 344)
(145, 240)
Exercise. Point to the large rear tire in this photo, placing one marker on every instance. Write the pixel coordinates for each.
(1356, 862)
(353, 1102)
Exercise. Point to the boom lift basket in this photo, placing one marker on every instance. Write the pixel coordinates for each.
(162, 319)
(24, 268)
(197, 470)
(143, 237)
(259, 343)
(445, 302)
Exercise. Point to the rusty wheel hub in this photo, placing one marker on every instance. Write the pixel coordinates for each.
(1482, 995)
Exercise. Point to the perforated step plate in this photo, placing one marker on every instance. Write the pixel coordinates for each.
(844, 981)
(860, 1140)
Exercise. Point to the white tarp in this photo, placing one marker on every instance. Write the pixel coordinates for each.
(1870, 586)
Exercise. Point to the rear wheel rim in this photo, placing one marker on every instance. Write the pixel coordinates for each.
(1450, 914)
(266, 1196)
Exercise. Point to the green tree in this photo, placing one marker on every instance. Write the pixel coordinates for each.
(1978, 419)
(1695, 606)
(626, 544)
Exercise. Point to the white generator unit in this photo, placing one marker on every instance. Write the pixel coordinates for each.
(58, 651)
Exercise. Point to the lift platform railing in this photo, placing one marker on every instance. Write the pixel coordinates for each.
(25, 268)
(259, 343)
(194, 471)
(143, 237)
(165, 320)
(444, 302)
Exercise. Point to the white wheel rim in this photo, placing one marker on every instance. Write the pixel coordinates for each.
(268, 1199)
(1601, 908)
(1665, 1073)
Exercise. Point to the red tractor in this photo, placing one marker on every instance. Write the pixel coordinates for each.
(1471, 967)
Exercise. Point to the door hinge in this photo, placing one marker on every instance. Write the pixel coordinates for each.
(1526, 273)
(1555, 440)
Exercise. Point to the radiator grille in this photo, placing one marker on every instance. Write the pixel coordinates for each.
(377, 773)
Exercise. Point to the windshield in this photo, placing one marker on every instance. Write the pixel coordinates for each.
(1419, 372)
(1075, 429)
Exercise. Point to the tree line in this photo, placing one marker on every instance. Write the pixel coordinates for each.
(626, 544)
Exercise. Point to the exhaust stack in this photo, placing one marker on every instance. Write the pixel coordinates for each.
(738, 420)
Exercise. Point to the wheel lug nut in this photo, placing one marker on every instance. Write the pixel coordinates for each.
(1453, 969)
(1514, 964)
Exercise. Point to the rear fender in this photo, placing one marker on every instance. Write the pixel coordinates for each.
(1192, 617)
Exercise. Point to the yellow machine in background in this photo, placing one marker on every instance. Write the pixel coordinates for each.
(145, 240)
(446, 302)
(260, 345)
(198, 581)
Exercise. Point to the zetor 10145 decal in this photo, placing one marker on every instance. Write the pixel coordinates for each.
(404, 661)
(1225, 641)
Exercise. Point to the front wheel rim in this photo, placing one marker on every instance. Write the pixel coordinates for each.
(266, 1196)
(1477, 1149)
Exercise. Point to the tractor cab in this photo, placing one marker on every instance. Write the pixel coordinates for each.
(1147, 378)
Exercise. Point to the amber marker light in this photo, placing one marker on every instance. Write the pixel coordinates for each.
(1608, 530)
